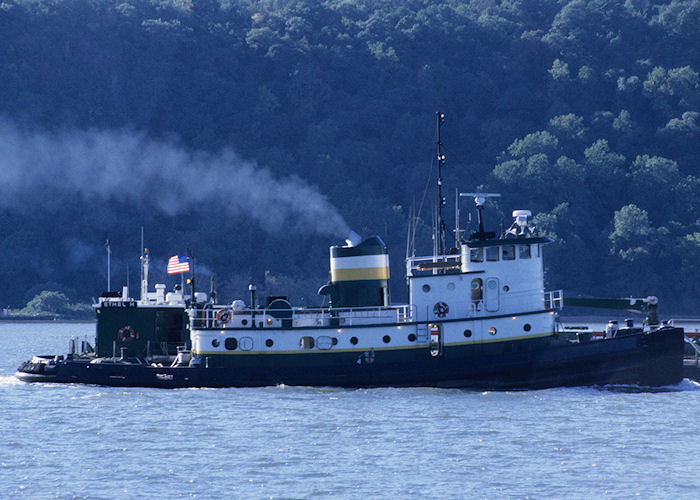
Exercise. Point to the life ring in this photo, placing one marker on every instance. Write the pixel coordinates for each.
(441, 309)
(127, 334)
(223, 315)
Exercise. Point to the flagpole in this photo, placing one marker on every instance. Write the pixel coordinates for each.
(141, 281)
(191, 258)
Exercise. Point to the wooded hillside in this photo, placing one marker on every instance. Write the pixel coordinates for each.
(256, 132)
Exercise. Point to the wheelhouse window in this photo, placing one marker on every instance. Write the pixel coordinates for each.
(508, 252)
(524, 251)
(476, 255)
(492, 253)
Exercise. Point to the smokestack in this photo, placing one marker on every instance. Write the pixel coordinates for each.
(353, 239)
(360, 273)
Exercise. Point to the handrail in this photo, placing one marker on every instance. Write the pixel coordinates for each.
(215, 316)
(695, 347)
(554, 299)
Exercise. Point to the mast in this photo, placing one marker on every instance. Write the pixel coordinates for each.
(108, 246)
(144, 274)
(440, 118)
(458, 232)
(144, 270)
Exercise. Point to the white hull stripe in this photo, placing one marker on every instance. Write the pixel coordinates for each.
(360, 262)
(272, 351)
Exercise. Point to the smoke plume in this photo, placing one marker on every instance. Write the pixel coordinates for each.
(155, 174)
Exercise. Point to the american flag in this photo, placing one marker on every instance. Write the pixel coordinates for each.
(178, 264)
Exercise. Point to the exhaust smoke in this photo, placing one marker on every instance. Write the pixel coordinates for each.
(353, 239)
(158, 175)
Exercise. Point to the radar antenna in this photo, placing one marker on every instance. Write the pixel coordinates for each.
(479, 200)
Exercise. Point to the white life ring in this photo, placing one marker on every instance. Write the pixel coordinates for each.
(127, 334)
(223, 316)
(441, 309)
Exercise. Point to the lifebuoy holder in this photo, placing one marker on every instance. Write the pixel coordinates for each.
(441, 309)
(127, 334)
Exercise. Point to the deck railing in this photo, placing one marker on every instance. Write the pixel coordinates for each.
(553, 299)
(226, 316)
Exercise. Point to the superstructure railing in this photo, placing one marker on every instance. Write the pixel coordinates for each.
(223, 316)
(433, 264)
(553, 299)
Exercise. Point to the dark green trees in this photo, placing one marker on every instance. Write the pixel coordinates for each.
(573, 109)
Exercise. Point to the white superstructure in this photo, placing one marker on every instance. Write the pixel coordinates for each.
(490, 290)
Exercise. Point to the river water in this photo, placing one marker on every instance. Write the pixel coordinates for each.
(73, 441)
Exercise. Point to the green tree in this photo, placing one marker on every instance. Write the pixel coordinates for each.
(640, 249)
(631, 233)
(47, 302)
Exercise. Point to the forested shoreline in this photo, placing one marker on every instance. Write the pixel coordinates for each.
(204, 122)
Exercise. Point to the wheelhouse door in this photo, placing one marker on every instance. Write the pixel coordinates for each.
(491, 295)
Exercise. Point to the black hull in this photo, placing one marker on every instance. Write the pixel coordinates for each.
(651, 359)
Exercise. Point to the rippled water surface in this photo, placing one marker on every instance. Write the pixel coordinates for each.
(72, 441)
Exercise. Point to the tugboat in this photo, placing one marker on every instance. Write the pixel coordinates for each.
(478, 317)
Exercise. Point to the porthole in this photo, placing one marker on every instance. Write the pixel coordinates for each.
(353, 340)
(426, 288)
(506, 288)
(386, 339)
(334, 341)
(527, 327)
(231, 343)
(215, 342)
(411, 337)
(306, 342)
(467, 333)
(450, 286)
(492, 331)
(244, 322)
(269, 342)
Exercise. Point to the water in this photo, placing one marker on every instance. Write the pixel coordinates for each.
(72, 441)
